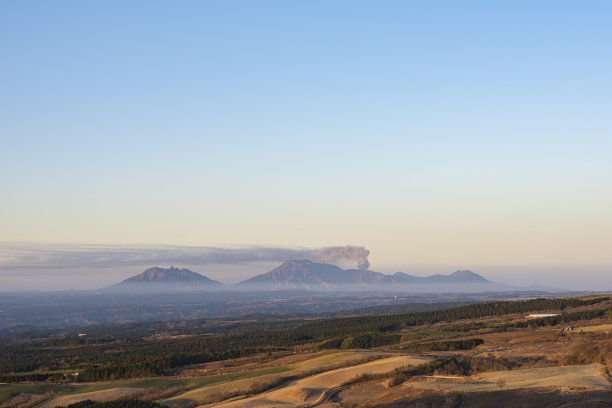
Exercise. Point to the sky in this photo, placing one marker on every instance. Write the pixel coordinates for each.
(439, 135)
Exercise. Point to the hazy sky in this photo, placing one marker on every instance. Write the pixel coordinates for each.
(439, 135)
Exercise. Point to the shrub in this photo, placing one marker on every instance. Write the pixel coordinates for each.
(448, 345)
(115, 404)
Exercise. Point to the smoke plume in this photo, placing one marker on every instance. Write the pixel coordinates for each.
(351, 253)
(86, 256)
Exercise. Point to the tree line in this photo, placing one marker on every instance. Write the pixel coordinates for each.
(115, 404)
(448, 345)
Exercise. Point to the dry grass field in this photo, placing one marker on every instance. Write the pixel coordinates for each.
(517, 398)
(308, 390)
(103, 395)
(250, 363)
(226, 389)
(583, 376)
(590, 329)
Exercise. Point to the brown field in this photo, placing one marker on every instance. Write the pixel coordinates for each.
(520, 398)
(104, 395)
(585, 376)
(589, 329)
(221, 391)
(248, 363)
(308, 390)
(538, 388)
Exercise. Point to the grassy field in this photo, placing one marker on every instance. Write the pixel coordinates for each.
(443, 333)
(590, 329)
(333, 360)
(105, 395)
(587, 376)
(7, 391)
(263, 378)
(201, 386)
(310, 389)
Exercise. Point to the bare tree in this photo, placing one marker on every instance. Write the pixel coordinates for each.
(501, 383)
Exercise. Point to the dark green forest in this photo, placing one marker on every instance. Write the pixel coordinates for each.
(562, 318)
(115, 404)
(448, 345)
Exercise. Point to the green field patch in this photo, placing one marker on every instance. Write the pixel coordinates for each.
(8, 391)
(187, 382)
(230, 384)
(144, 383)
(426, 334)
(431, 333)
(330, 360)
(195, 382)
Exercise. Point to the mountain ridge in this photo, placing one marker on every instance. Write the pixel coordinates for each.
(459, 276)
(306, 275)
(161, 279)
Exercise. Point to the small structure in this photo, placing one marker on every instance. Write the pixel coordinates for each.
(541, 315)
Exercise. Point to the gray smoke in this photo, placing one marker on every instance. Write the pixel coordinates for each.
(87, 256)
(351, 253)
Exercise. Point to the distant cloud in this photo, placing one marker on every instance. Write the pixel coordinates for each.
(87, 256)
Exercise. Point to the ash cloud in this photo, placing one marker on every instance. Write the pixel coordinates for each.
(102, 256)
(351, 253)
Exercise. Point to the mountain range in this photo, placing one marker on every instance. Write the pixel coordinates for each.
(305, 275)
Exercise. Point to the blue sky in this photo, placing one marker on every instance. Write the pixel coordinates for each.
(440, 135)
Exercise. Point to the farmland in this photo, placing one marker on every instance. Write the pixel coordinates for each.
(430, 356)
(311, 389)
